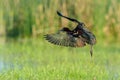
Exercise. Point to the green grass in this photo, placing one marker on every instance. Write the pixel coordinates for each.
(39, 60)
(36, 59)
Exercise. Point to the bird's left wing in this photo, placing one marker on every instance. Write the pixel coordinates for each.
(64, 39)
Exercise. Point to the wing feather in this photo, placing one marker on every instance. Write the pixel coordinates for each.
(63, 39)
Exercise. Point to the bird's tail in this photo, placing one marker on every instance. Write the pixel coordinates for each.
(71, 19)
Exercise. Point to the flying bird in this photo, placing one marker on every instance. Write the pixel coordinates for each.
(80, 36)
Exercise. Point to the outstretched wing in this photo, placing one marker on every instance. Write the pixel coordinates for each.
(71, 19)
(64, 39)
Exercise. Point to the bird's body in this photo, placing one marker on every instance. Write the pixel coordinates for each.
(78, 37)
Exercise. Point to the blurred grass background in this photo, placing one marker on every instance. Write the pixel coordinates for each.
(28, 18)
(24, 54)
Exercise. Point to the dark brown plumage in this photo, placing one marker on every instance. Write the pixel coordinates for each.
(78, 37)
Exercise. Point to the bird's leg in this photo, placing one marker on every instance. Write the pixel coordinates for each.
(91, 52)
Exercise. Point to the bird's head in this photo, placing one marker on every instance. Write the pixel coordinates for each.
(82, 25)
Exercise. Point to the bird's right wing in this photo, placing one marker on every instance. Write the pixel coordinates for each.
(63, 39)
(71, 19)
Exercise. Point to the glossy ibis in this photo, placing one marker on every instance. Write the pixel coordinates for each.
(78, 37)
